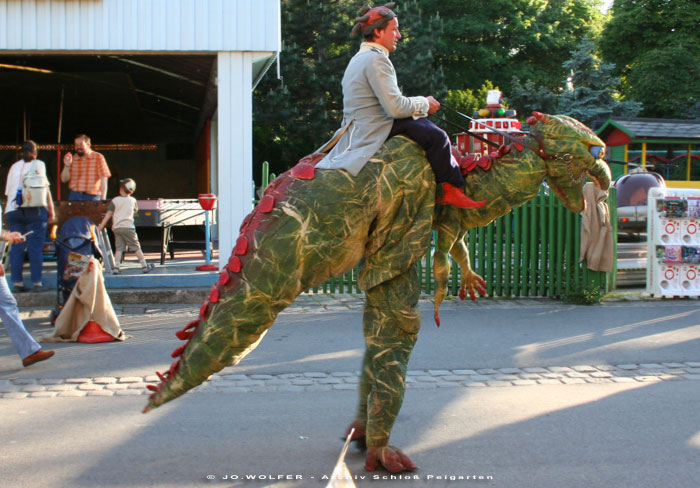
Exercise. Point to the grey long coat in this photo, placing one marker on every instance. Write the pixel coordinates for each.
(371, 101)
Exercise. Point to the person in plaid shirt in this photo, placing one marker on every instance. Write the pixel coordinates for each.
(86, 172)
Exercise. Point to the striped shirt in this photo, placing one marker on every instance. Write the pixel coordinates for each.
(87, 171)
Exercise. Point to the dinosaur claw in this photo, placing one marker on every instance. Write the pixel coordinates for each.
(371, 463)
(473, 283)
(358, 437)
(390, 457)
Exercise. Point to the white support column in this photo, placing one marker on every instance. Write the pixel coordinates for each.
(235, 138)
(214, 169)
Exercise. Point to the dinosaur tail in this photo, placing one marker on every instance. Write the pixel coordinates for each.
(308, 227)
(277, 256)
(216, 340)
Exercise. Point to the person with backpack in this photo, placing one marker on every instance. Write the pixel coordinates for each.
(28, 209)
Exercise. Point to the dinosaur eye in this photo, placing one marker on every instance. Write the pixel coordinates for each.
(598, 152)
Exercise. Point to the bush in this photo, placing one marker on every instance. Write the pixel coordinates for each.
(588, 294)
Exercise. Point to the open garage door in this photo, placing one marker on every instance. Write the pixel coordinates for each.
(145, 113)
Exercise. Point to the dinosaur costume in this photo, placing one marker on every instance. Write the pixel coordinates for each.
(311, 225)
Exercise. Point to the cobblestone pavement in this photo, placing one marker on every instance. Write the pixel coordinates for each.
(223, 382)
(347, 380)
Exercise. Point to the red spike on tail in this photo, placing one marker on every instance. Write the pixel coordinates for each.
(241, 246)
(178, 352)
(234, 264)
(184, 335)
(224, 277)
(191, 325)
(174, 367)
(214, 295)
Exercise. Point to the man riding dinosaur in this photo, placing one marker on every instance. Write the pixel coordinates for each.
(374, 110)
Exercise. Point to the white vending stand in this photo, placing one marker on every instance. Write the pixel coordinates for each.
(673, 240)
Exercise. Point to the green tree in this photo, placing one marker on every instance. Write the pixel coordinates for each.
(465, 101)
(295, 115)
(498, 39)
(666, 80)
(590, 94)
(528, 97)
(656, 48)
(414, 59)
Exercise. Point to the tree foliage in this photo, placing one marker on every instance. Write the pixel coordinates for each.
(414, 59)
(456, 51)
(498, 39)
(295, 115)
(528, 97)
(465, 101)
(590, 95)
(666, 80)
(656, 48)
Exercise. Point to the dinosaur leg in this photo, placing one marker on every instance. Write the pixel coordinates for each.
(391, 324)
(364, 388)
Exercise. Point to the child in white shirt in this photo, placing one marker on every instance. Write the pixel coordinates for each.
(121, 210)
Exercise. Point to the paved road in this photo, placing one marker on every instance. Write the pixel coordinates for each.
(527, 392)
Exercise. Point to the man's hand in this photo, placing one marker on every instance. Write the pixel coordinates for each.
(433, 105)
(68, 159)
(13, 237)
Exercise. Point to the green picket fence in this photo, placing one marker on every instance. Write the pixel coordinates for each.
(532, 251)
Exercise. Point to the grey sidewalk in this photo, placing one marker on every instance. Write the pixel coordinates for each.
(475, 354)
(532, 392)
(149, 328)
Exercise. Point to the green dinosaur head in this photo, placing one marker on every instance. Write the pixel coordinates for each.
(578, 153)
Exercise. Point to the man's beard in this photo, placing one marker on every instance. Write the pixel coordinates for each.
(80, 152)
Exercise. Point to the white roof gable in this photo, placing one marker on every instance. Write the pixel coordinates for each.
(140, 25)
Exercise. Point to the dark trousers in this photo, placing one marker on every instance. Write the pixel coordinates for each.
(437, 147)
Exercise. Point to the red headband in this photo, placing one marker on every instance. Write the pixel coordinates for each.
(373, 18)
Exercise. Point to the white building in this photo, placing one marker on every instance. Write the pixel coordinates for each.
(144, 71)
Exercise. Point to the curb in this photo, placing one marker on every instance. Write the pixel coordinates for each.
(48, 299)
(197, 295)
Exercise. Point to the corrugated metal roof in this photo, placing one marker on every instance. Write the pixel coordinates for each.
(658, 128)
(114, 97)
(140, 25)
